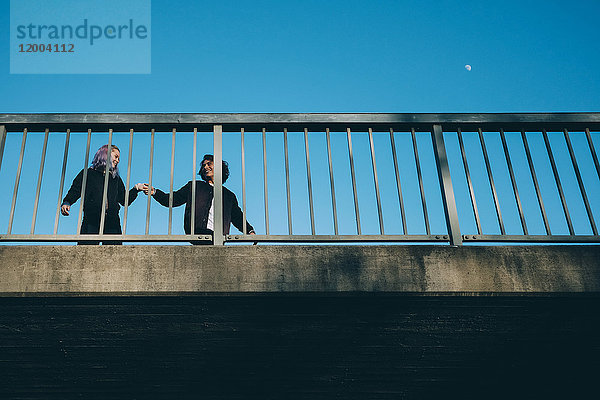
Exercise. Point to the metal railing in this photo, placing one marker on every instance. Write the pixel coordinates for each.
(450, 178)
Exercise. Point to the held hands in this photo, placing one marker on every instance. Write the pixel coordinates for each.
(144, 187)
(147, 189)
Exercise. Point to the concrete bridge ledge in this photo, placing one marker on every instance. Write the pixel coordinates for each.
(415, 269)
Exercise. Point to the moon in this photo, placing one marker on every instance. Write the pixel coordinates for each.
(468, 67)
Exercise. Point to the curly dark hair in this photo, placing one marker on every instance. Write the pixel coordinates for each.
(209, 157)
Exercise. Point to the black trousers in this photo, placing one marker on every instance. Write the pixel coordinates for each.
(112, 226)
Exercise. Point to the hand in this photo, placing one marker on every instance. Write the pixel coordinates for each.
(139, 186)
(148, 189)
(64, 209)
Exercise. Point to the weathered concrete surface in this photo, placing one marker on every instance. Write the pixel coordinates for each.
(64, 270)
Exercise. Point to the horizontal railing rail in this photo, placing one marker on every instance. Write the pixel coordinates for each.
(299, 121)
(448, 178)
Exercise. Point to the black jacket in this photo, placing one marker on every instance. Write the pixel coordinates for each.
(204, 195)
(93, 200)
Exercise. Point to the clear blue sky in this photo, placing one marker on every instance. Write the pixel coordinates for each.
(342, 56)
(332, 56)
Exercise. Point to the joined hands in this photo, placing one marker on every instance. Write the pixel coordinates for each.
(144, 187)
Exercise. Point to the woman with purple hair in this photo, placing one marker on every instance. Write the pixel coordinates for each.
(94, 190)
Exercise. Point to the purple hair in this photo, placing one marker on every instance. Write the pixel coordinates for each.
(99, 161)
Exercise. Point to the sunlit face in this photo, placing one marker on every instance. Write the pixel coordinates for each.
(206, 171)
(116, 157)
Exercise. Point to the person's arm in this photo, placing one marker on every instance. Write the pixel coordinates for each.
(73, 194)
(237, 218)
(179, 197)
(133, 192)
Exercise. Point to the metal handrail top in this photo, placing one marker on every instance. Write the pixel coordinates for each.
(232, 122)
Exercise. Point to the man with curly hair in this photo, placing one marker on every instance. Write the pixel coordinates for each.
(204, 207)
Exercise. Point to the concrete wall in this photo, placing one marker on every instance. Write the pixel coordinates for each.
(64, 270)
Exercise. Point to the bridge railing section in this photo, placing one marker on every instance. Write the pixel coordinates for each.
(448, 178)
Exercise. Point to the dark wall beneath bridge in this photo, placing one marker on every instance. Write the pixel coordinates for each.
(310, 347)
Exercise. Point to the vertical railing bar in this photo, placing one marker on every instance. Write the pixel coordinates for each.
(309, 180)
(266, 187)
(3, 134)
(353, 181)
(397, 171)
(287, 180)
(491, 179)
(62, 179)
(557, 180)
(152, 133)
(580, 182)
(218, 237)
(420, 177)
(193, 205)
(244, 217)
(469, 181)
(39, 182)
(333, 202)
(106, 176)
(170, 229)
(445, 180)
(535, 183)
(84, 181)
(126, 205)
(376, 182)
(592, 150)
(513, 182)
(17, 179)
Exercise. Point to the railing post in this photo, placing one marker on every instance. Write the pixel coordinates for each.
(441, 161)
(2, 142)
(218, 237)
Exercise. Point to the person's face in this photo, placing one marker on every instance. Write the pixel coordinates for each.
(116, 155)
(207, 171)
